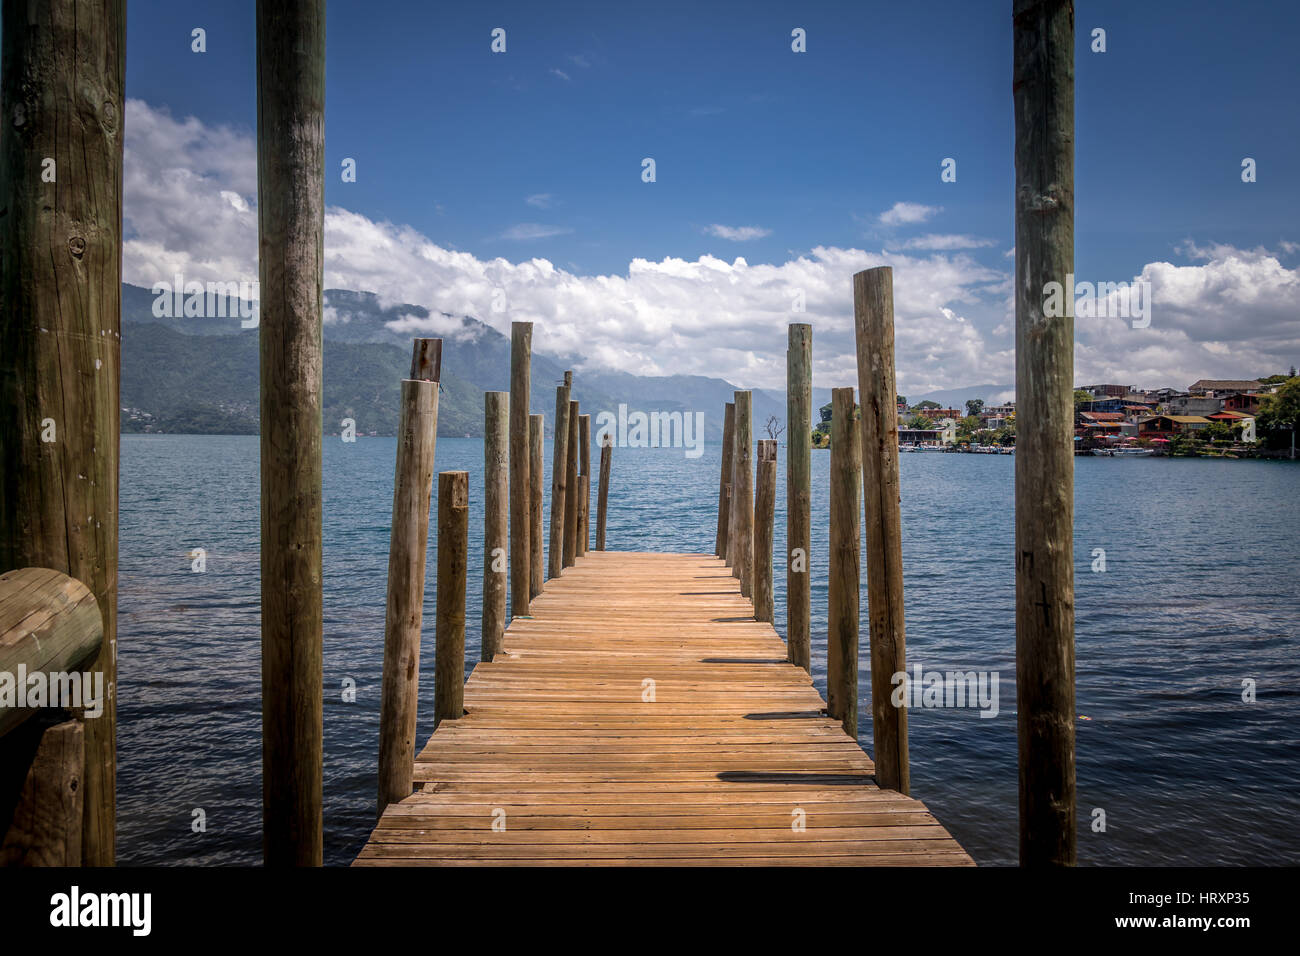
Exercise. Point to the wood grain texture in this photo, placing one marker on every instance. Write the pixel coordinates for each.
(798, 495)
(496, 523)
(742, 494)
(559, 479)
(49, 623)
(62, 77)
(764, 516)
(1043, 95)
(408, 544)
(573, 491)
(584, 496)
(873, 310)
(843, 595)
(41, 819)
(602, 496)
(727, 758)
(449, 634)
(724, 479)
(290, 223)
(537, 560)
(520, 479)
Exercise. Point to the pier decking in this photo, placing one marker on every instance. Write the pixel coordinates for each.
(641, 716)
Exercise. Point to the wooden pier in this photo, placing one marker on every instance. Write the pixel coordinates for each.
(606, 735)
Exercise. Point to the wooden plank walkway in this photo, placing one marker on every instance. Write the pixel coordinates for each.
(578, 760)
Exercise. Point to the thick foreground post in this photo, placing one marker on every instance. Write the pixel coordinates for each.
(571, 490)
(496, 480)
(559, 477)
(61, 88)
(1043, 91)
(724, 479)
(520, 482)
(449, 636)
(742, 493)
(290, 223)
(41, 767)
(602, 498)
(407, 547)
(584, 497)
(764, 511)
(798, 495)
(537, 560)
(843, 598)
(873, 308)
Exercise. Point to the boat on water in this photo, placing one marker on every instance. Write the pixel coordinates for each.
(1127, 452)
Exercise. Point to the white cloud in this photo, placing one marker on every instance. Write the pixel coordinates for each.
(560, 73)
(737, 233)
(907, 213)
(944, 242)
(534, 230)
(191, 207)
(541, 200)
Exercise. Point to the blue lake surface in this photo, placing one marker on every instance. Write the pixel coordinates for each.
(1201, 592)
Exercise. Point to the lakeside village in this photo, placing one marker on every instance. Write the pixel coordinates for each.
(1212, 418)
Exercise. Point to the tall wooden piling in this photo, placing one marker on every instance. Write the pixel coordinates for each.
(449, 636)
(742, 493)
(724, 479)
(733, 515)
(61, 85)
(537, 560)
(584, 497)
(602, 498)
(572, 491)
(764, 511)
(496, 482)
(520, 487)
(290, 219)
(559, 477)
(1043, 94)
(407, 547)
(798, 495)
(843, 597)
(873, 308)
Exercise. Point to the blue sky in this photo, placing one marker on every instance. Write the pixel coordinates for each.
(808, 150)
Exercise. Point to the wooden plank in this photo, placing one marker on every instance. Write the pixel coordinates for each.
(603, 736)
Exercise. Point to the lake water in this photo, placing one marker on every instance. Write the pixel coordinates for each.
(1201, 591)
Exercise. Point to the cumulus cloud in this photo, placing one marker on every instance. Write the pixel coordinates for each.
(190, 207)
(534, 230)
(907, 213)
(737, 233)
(943, 242)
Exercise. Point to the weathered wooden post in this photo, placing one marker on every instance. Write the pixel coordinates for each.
(764, 511)
(584, 495)
(62, 82)
(496, 478)
(602, 498)
(408, 543)
(290, 223)
(1043, 92)
(742, 493)
(733, 515)
(49, 624)
(449, 636)
(521, 552)
(843, 596)
(724, 479)
(798, 495)
(873, 308)
(572, 491)
(559, 475)
(537, 560)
